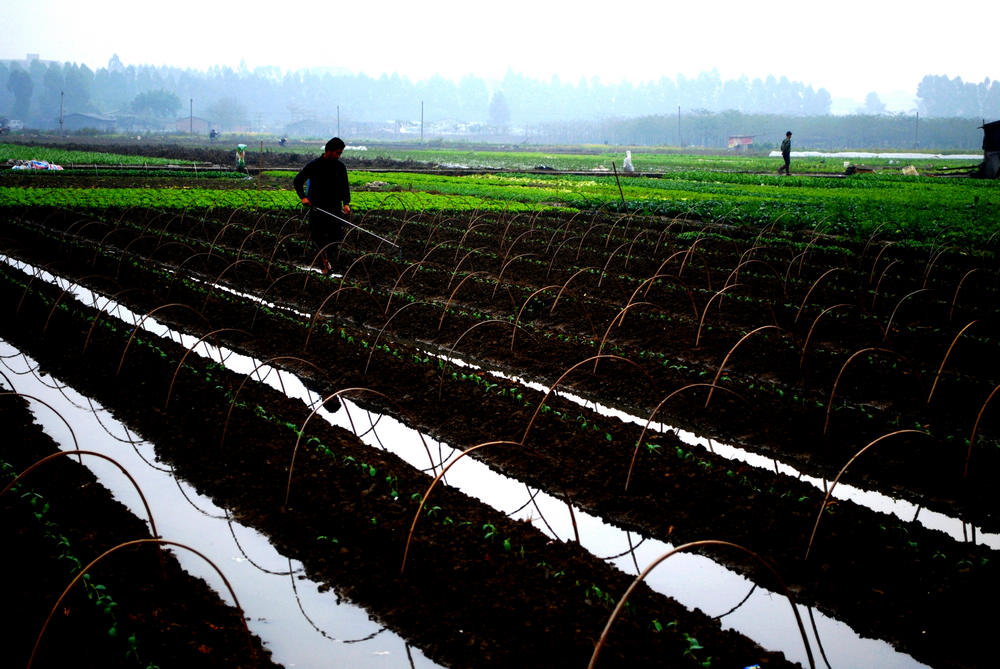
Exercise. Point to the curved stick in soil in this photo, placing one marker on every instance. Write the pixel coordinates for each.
(78, 452)
(503, 269)
(744, 263)
(649, 421)
(423, 500)
(298, 440)
(319, 310)
(274, 251)
(466, 234)
(173, 379)
(619, 318)
(254, 231)
(263, 295)
(555, 254)
(215, 282)
(561, 290)
(143, 319)
(958, 287)
(552, 388)
(604, 270)
(701, 320)
(688, 252)
(975, 427)
(412, 266)
(232, 403)
(871, 238)
(888, 325)
(514, 241)
(813, 287)
(343, 277)
(466, 256)
(843, 469)
(374, 345)
(70, 284)
(38, 271)
(76, 444)
(632, 245)
(177, 271)
(836, 381)
(444, 309)
(521, 311)
(945, 359)
(805, 344)
(881, 276)
(173, 242)
(211, 246)
(444, 367)
(136, 542)
(718, 373)
(121, 256)
(696, 544)
(579, 248)
(101, 312)
(931, 263)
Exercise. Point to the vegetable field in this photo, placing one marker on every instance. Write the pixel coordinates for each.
(568, 334)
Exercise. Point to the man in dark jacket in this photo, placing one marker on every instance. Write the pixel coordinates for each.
(786, 153)
(322, 184)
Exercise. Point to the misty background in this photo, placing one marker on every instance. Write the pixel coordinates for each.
(704, 111)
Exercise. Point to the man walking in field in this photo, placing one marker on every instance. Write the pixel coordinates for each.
(322, 184)
(786, 153)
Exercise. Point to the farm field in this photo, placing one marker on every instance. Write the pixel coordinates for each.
(839, 329)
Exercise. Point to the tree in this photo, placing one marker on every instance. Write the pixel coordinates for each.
(160, 103)
(228, 113)
(78, 80)
(499, 111)
(873, 105)
(19, 83)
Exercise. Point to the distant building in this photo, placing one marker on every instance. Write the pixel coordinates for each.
(741, 142)
(76, 121)
(311, 128)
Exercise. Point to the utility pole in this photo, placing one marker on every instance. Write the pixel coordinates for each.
(61, 95)
(421, 121)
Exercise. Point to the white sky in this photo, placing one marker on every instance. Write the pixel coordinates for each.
(848, 47)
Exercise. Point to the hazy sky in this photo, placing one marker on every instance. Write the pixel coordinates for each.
(848, 47)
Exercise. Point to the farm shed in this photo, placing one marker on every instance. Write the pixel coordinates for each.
(741, 142)
(990, 167)
(78, 121)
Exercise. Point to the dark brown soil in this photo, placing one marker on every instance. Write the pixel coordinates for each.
(529, 276)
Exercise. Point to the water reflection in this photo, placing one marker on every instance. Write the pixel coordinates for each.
(273, 590)
(693, 580)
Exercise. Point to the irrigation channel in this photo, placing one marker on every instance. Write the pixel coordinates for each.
(462, 579)
(306, 626)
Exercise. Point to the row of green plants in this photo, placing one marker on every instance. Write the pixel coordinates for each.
(644, 159)
(920, 208)
(145, 172)
(66, 157)
(39, 508)
(274, 200)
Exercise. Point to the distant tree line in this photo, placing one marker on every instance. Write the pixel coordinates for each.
(269, 100)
